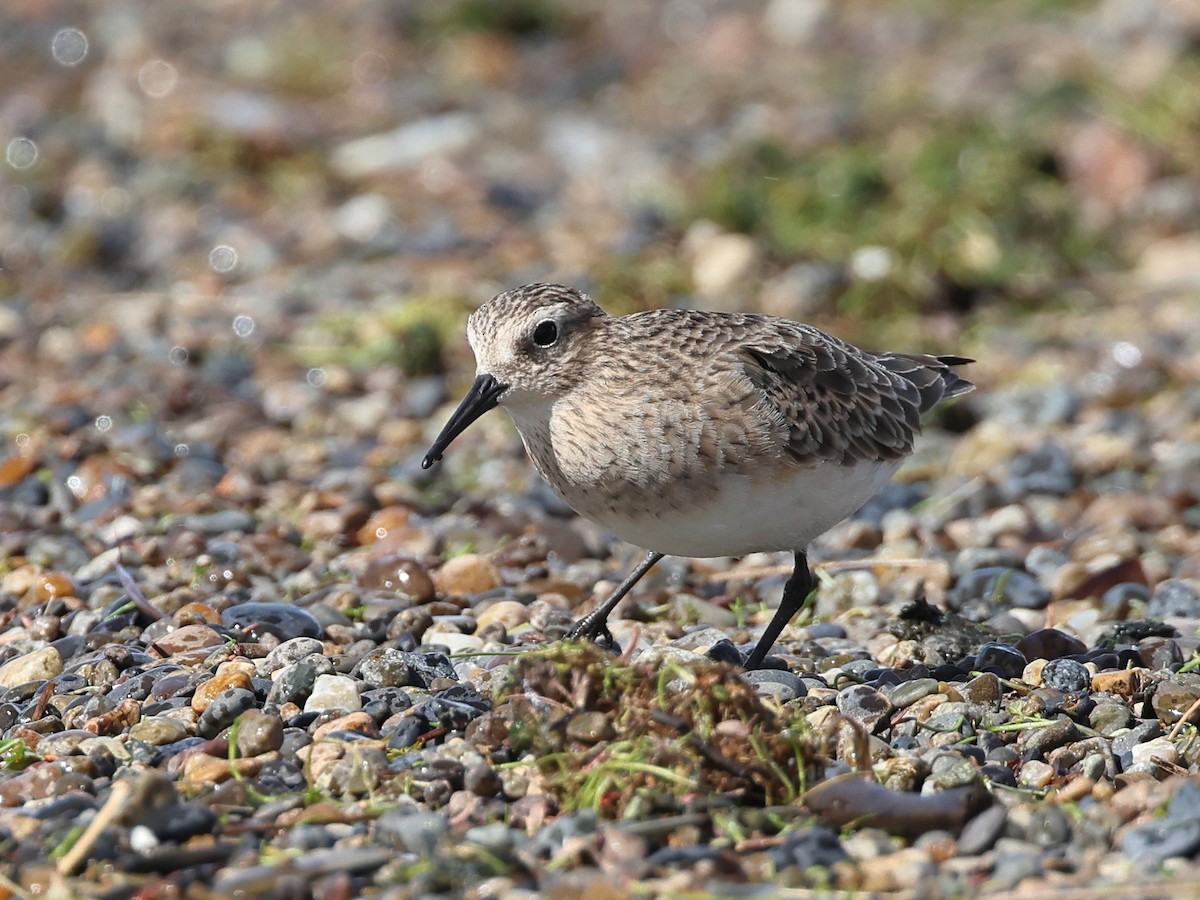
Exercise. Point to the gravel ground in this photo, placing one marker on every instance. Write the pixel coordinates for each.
(249, 648)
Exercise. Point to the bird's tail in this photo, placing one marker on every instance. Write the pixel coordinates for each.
(934, 377)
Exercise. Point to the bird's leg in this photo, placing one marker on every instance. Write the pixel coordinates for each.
(795, 592)
(594, 623)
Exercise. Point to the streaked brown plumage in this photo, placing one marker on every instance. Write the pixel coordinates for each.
(698, 433)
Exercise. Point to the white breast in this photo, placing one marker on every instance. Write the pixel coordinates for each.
(745, 516)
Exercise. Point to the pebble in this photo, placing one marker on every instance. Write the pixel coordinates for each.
(333, 692)
(281, 620)
(258, 733)
(1066, 675)
(38, 665)
(980, 594)
(467, 575)
(1008, 661)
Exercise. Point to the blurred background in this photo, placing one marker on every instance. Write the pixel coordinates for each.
(313, 194)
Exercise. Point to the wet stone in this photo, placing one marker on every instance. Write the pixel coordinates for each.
(1050, 643)
(1066, 675)
(158, 731)
(40, 665)
(1174, 697)
(982, 832)
(224, 708)
(590, 727)
(333, 692)
(1037, 742)
(1122, 745)
(1110, 717)
(983, 593)
(413, 832)
(779, 684)
(186, 638)
(907, 693)
(1009, 662)
(385, 667)
(227, 677)
(290, 651)
(295, 682)
(281, 620)
(1160, 655)
(865, 705)
(258, 732)
(1174, 598)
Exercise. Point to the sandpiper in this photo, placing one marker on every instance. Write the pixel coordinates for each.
(696, 433)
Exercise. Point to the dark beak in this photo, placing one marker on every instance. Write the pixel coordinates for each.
(483, 395)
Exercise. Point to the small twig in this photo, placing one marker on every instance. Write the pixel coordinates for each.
(43, 701)
(1184, 720)
(117, 798)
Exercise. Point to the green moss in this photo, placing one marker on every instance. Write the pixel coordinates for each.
(519, 17)
(961, 206)
(411, 333)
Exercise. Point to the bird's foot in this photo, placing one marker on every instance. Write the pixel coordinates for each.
(591, 629)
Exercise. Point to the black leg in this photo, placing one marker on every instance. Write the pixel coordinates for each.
(594, 623)
(795, 592)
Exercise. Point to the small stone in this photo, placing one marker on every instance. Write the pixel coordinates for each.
(1066, 675)
(294, 683)
(783, 686)
(157, 731)
(1158, 751)
(907, 693)
(865, 705)
(414, 832)
(590, 727)
(40, 665)
(455, 642)
(401, 574)
(467, 575)
(983, 593)
(1174, 598)
(223, 710)
(982, 832)
(258, 733)
(1035, 774)
(229, 675)
(509, 613)
(1050, 643)
(282, 620)
(187, 638)
(1174, 697)
(983, 689)
(1124, 683)
(900, 871)
(288, 652)
(333, 692)
(1123, 745)
(1009, 661)
(1160, 655)
(1110, 717)
(385, 667)
(482, 780)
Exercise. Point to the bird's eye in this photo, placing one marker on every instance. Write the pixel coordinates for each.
(545, 334)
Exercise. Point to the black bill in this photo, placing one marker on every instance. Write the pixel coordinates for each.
(483, 395)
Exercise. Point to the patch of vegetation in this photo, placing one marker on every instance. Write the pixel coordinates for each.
(519, 18)
(410, 333)
(627, 742)
(959, 209)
